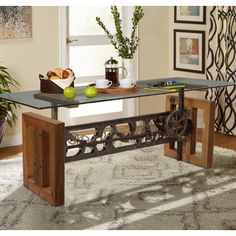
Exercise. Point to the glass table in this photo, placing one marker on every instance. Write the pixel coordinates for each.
(34, 100)
(48, 144)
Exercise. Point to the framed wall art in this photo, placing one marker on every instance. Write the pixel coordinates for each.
(190, 14)
(189, 50)
(15, 22)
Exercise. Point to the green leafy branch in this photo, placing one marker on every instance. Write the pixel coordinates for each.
(125, 46)
(7, 108)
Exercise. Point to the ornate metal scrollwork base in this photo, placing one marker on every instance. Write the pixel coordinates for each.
(125, 134)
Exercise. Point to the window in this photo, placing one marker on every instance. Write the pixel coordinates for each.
(86, 51)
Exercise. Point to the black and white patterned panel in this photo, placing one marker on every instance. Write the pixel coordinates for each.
(221, 66)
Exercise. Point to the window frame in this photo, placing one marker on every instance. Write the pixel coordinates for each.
(65, 41)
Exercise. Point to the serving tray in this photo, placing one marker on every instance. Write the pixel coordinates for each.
(56, 99)
(118, 90)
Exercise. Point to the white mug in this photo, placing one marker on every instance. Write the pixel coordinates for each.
(127, 83)
(103, 83)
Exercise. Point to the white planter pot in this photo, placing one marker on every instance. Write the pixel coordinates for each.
(130, 67)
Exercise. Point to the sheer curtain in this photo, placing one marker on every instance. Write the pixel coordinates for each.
(221, 65)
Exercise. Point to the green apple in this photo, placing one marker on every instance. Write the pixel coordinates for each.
(90, 92)
(69, 92)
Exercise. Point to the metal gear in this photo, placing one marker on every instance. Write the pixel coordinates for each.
(177, 123)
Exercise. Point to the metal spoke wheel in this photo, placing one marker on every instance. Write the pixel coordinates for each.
(176, 124)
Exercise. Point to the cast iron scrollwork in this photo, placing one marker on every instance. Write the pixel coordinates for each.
(113, 136)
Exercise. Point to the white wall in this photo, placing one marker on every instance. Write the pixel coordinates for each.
(156, 53)
(153, 53)
(173, 26)
(26, 58)
(172, 72)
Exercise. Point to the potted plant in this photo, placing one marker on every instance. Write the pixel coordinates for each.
(125, 46)
(7, 112)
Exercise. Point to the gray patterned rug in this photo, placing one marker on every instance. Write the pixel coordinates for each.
(138, 189)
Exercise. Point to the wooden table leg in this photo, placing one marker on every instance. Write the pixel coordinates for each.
(205, 158)
(44, 157)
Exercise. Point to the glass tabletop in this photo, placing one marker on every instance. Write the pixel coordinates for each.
(35, 99)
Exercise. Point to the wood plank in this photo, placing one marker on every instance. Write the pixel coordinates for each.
(28, 151)
(206, 158)
(207, 135)
(10, 151)
(44, 160)
(43, 157)
(37, 155)
(57, 164)
(44, 193)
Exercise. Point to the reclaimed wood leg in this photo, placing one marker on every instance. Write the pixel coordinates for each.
(43, 157)
(205, 158)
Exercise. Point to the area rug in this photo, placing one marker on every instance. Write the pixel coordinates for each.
(140, 189)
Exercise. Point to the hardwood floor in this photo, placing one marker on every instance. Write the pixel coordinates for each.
(225, 141)
(8, 152)
(219, 140)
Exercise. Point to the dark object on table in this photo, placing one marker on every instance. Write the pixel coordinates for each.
(56, 98)
(47, 86)
(166, 84)
(112, 71)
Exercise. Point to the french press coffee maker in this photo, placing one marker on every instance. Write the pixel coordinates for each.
(112, 71)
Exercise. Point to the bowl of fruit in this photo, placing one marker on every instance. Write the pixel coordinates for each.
(56, 81)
